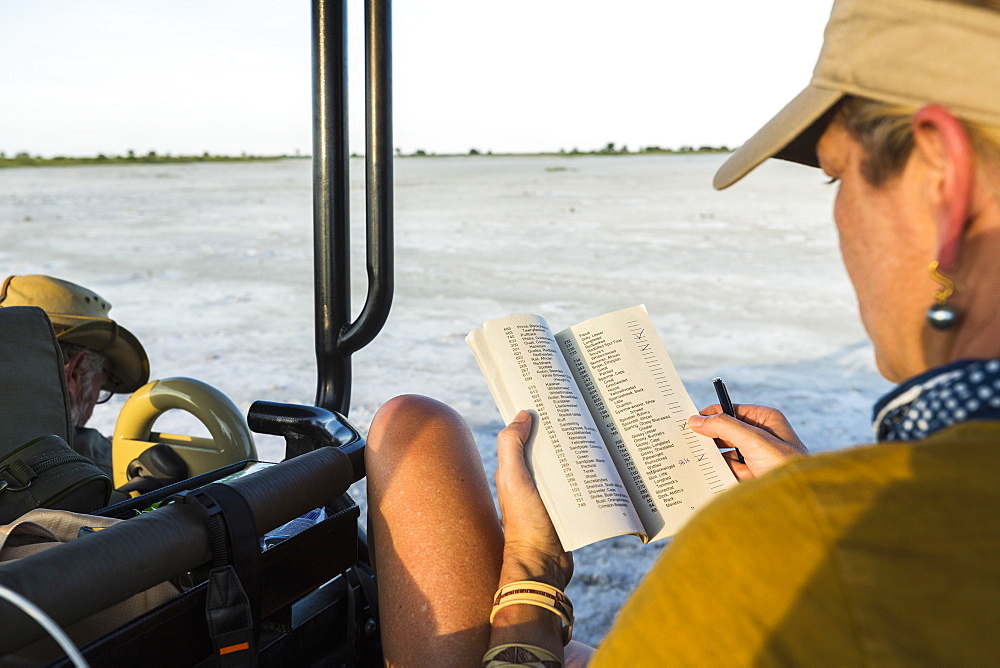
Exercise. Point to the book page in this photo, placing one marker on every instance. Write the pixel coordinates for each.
(579, 484)
(641, 409)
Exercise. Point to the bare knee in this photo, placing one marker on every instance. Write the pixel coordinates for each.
(409, 408)
(414, 422)
(421, 458)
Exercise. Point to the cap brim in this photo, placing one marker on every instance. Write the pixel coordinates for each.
(131, 365)
(790, 135)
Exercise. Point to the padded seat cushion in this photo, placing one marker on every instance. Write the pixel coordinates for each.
(33, 399)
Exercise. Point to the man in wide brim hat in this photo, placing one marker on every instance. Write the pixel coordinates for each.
(80, 317)
(101, 357)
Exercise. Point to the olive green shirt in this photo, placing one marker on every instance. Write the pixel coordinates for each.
(881, 555)
(91, 444)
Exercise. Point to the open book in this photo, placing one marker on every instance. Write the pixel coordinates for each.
(610, 449)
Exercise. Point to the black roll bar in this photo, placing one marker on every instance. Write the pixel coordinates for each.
(337, 338)
(83, 577)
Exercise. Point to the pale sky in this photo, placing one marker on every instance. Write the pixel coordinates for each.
(81, 77)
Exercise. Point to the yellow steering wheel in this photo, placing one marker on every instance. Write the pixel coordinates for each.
(231, 440)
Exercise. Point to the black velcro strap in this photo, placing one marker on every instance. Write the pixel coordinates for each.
(244, 544)
(235, 584)
(212, 512)
(230, 624)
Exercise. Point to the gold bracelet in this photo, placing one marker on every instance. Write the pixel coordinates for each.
(518, 654)
(517, 600)
(539, 601)
(540, 595)
(539, 588)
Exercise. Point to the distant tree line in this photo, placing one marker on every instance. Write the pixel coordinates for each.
(24, 159)
(609, 149)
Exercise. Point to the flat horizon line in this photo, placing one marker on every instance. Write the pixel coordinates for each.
(24, 159)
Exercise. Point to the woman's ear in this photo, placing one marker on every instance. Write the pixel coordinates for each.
(941, 140)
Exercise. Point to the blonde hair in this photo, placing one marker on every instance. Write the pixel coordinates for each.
(886, 134)
(885, 131)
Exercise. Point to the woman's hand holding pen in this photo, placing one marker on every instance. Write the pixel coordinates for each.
(762, 434)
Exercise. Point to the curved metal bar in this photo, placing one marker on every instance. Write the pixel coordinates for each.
(336, 337)
(331, 198)
(321, 427)
(378, 172)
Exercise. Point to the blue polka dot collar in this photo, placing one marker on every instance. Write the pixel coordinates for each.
(963, 391)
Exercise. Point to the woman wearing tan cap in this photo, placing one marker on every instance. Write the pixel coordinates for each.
(101, 357)
(887, 554)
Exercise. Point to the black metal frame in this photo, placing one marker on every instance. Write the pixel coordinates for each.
(337, 338)
(318, 589)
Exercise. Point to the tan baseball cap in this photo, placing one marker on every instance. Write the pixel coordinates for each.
(906, 52)
(80, 316)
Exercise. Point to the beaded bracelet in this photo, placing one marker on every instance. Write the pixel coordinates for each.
(514, 655)
(539, 594)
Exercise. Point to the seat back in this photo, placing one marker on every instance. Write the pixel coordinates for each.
(33, 399)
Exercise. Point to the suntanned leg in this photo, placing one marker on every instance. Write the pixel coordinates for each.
(438, 541)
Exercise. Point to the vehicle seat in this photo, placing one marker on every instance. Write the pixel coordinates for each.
(33, 399)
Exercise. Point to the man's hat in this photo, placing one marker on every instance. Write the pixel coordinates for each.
(903, 52)
(80, 316)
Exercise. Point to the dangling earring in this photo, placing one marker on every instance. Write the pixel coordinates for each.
(941, 315)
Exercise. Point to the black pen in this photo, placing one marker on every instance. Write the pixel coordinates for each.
(727, 408)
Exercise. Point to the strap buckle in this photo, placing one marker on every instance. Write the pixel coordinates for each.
(18, 472)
